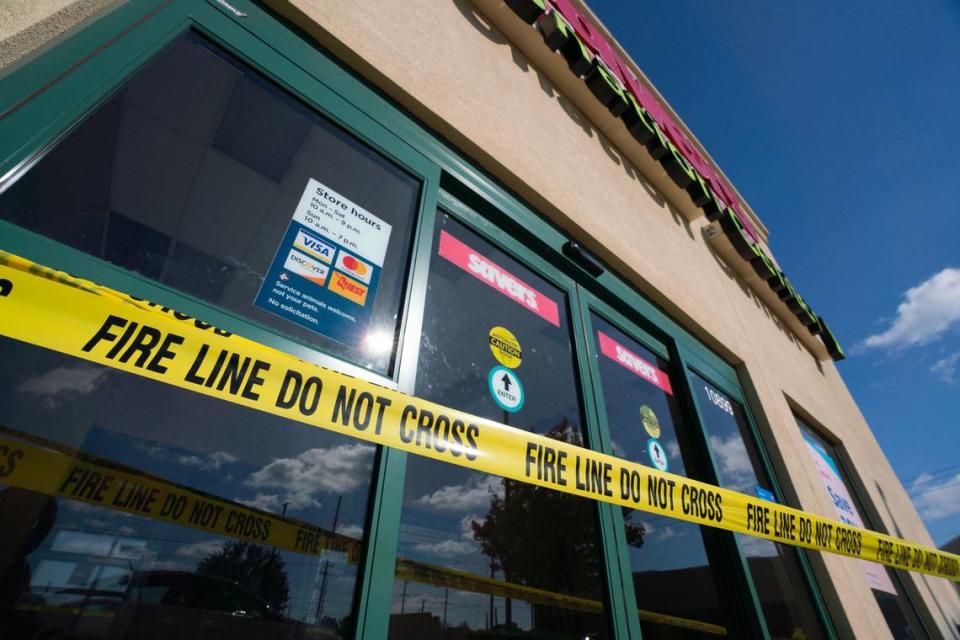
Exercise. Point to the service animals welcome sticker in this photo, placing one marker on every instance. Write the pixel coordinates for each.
(326, 270)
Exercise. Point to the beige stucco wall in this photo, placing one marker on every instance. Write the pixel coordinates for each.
(529, 122)
(449, 64)
(27, 26)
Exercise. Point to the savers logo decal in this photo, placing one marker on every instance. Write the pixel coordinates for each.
(499, 278)
(628, 359)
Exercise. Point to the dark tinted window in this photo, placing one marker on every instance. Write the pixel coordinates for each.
(480, 555)
(201, 174)
(673, 580)
(786, 602)
(107, 562)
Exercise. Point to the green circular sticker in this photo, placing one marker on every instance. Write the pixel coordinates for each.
(506, 389)
(650, 422)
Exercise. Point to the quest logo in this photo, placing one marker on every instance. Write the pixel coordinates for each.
(348, 288)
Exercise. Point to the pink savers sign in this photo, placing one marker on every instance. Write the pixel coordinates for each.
(499, 278)
(623, 356)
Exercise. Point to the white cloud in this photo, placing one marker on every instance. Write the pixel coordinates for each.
(936, 500)
(673, 448)
(269, 502)
(618, 450)
(928, 310)
(208, 462)
(54, 384)
(473, 495)
(446, 548)
(451, 547)
(351, 531)
(946, 368)
(200, 550)
(336, 470)
(758, 547)
(735, 467)
(666, 533)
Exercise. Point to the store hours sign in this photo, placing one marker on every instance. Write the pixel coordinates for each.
(325, 273)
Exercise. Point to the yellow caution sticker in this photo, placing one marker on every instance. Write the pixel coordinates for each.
(56, 311)
(651, 424)
(505, 347)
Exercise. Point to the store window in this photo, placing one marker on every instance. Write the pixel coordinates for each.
(896, 608)
(777, 577)
(202, 175)
(675, 585)
(76, 566)
(479, 555)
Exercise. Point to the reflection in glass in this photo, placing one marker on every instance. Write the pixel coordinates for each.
(73, 566)
(897, 610)
(190, 175)
(786, 603)
(480, 555)
(673, 580)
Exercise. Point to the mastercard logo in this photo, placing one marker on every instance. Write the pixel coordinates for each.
(355, 267)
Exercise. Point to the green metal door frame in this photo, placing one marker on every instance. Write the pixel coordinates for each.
(41, 101)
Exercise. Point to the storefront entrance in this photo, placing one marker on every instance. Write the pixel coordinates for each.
(229, 171)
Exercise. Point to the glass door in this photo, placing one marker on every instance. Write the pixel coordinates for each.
(479, 554)
(676, 587)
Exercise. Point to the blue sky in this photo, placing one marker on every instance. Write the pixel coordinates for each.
(838, 122)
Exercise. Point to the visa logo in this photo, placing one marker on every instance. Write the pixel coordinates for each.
(313, 246)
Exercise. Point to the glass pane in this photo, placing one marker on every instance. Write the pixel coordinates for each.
(204, 176)
(480, 555)
(896, 609)
(777, 577)
(674, 583)
(108, 561)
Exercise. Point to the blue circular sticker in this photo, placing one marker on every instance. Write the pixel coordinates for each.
(506, 389)
(657, 455)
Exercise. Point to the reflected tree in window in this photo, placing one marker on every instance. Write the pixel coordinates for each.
(254, 567)
(524, 554)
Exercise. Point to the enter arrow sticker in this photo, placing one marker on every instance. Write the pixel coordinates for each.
(505, 389)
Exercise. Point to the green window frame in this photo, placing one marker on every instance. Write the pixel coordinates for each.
(40, 100)
(910, 599)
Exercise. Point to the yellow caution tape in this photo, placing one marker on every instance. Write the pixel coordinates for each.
(425, 573)
(54, 310)
(40, 465)
(54, 469)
